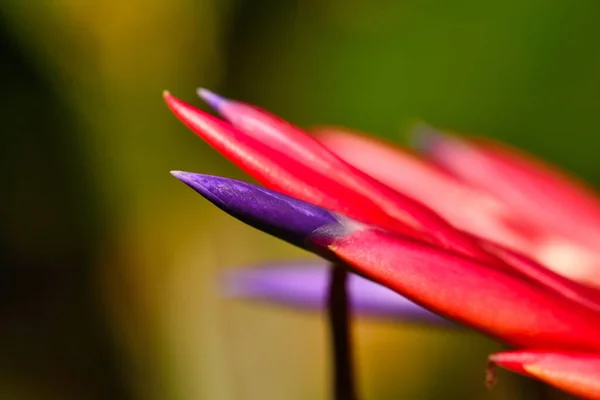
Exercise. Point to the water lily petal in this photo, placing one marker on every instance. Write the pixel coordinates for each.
(504, 305)
(305, 285)
(497, 301)
(285, 217)
(540, 274)
(470, 209)
(575, 373)
(548, 196)
(279, 134)
(573, 260)
(277, 170)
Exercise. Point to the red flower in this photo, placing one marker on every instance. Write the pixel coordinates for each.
(482, 235)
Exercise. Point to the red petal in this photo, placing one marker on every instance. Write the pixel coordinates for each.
(502, 304)
(556, 201)
(575, 373)
(465, 207)
(267, 128)
(575, 261)
(277, 170)
(541, 275)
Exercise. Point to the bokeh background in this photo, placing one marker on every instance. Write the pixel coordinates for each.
(109, 265)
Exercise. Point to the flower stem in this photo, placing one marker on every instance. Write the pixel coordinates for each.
(339, 321)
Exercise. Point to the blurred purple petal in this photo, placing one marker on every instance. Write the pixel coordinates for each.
(212, 99)
(305, 285)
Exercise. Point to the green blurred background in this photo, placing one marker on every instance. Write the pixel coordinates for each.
(108, 263)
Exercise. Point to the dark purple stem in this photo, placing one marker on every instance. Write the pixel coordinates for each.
(339, 320)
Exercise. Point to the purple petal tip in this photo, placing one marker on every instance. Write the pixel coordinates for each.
(279, 215)
(212, 99)
(178, 174)
(200, 183)
(423, 137)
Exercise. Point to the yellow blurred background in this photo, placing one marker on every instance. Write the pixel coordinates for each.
(109, 265)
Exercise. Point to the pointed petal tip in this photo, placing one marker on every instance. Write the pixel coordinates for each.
(168, 97)
(432, 141)
(185, 177)
(208, 186)
(282, 216)
(423, 137)
(515, 361)
(212, 99)
(573, 372)
(195, 181)
(171, 100)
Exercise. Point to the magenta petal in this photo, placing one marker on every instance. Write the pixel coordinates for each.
(304, 285)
